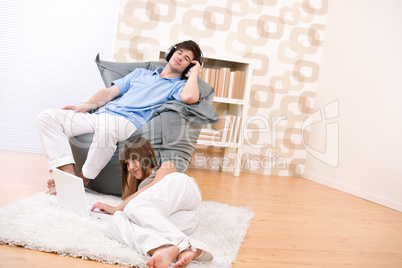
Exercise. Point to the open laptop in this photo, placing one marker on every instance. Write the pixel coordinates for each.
(71, 195)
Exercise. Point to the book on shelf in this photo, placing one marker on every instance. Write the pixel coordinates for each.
(227, 83)
(239, 80)
(231, 127)
(213, 132)
(218, 83)
(225, 131)
(236, 129)
(226, 80)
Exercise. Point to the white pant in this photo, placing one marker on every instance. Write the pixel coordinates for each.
(161, 215)
(55, 126)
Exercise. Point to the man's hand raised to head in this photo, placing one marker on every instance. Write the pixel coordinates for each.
(195, 70)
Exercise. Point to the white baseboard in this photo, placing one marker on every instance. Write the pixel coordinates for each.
(353, 191)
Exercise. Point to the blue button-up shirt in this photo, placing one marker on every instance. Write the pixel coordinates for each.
(141, 92)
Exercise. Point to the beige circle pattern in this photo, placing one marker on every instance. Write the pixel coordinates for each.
(282, 39)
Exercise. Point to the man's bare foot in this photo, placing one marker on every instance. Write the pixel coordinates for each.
(85, 180)
(51, 187)
(162, 257)
(185, 257)
(69, 168)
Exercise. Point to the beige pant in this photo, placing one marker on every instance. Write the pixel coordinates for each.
(55, 126)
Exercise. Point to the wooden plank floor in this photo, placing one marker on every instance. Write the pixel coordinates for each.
(298, 223)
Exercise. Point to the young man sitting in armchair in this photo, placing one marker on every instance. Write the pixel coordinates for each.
(122, 108)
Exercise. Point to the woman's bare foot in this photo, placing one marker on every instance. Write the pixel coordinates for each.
(185, 257)
(162, 257)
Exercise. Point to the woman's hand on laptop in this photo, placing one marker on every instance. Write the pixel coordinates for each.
(104, 207)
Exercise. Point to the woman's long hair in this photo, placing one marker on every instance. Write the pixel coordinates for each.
(137, 149)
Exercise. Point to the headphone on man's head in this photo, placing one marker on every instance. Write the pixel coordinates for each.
(171, 50)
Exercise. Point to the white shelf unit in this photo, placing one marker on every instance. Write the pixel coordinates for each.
(223, 106)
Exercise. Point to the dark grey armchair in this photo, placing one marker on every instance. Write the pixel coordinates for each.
(173, 130)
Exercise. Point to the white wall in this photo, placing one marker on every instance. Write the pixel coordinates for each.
(360, 83)
(47, 53)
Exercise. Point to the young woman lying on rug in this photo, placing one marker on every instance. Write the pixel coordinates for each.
(159, 211)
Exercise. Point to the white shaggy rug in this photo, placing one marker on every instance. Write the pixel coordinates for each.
(39, 223)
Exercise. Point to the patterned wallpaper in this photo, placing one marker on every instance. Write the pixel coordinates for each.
(282, 39)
